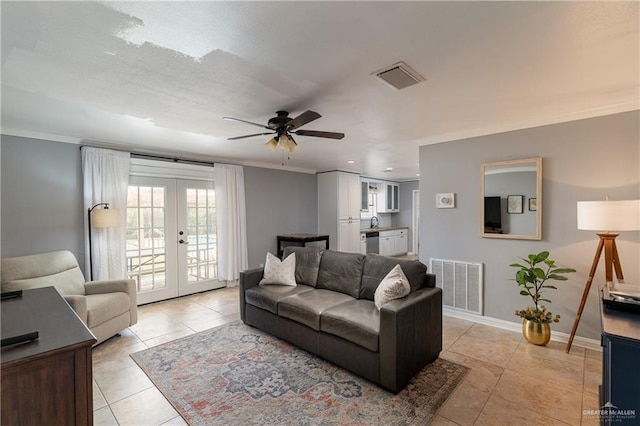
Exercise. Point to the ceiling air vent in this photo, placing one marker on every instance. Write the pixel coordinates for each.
(399, 76)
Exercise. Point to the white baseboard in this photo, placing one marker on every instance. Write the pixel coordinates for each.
(514, 326)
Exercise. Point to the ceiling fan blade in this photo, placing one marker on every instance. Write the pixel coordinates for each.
(250, 136)
(302, 119)
(319, 134)
(245, 121)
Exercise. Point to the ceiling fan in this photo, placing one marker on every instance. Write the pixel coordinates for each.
(283, 126)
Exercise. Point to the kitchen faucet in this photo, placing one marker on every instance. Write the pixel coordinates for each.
(374, 218)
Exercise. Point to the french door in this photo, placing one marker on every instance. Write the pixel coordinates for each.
(171, 237)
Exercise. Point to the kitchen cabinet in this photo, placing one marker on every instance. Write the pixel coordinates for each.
(388, 198)
(348, 196)
(386, 243)
(400, 245)
(349, 236)
(364, 195)
(393, 243)
(339, 210)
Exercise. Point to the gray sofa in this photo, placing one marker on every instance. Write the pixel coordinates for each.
(106, 307)
(331, 313)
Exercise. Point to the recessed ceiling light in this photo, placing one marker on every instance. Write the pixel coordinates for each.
(389, 169)
(417, 174)
(351, 161)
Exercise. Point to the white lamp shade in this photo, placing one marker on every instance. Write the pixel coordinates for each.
(105, 218)
(609, 215)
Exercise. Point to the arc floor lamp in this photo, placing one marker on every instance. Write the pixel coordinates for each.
(100, 218)
(605, 216)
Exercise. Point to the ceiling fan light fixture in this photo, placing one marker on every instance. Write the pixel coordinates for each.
(283, 126)
(293, 146)
(272, 144)
(286, 143)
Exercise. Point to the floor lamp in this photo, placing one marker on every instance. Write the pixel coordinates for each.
(605, 216)
(100, 218)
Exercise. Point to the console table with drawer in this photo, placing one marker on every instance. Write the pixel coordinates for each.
(620, 365)
(47, 380)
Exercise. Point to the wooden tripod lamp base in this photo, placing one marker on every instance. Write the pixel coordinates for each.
(596, 216)
(611, 262)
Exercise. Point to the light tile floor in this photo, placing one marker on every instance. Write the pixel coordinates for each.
(510, 381)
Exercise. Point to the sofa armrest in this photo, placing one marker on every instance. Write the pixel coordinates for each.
(410, 336)
(248, 279)
(430, 280)
(113, 286)
(79, 304)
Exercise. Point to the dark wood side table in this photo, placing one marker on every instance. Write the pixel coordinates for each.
(620, 366)
(48, 380)
(300, 239)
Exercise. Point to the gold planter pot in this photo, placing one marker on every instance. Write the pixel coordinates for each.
(536, 333)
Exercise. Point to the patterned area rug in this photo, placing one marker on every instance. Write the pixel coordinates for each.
(235, 374)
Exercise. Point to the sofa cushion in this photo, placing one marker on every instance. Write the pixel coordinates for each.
(306, 308)
(103, 307)
(377, 267)
(279, 272)
(357, 321)
(59, 269)
(394, 286)
(267, 297)
(341, 272)
(307, 263)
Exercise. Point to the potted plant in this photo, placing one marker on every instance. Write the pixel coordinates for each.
(532, 278)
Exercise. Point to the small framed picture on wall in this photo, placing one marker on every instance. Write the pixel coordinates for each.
(533, 204)
(446, 200)
(515, 204)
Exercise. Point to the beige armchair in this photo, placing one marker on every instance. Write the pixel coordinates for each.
(106, 307)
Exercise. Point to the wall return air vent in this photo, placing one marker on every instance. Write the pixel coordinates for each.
(399, 76)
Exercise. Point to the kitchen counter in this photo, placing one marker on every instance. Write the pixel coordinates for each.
(382, 228)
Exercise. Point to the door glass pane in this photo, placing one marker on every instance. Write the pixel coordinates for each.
(202, 263)
(145, 241)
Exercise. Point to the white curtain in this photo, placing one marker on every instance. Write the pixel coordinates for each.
(106, 179)
(231, 222)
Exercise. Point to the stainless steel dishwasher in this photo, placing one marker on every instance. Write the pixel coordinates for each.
(373, 242)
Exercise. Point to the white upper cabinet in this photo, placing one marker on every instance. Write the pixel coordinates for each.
(364, 195)
(349, 191)
(388, 198)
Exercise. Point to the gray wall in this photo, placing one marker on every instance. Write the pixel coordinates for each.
(42, 201)
(582, 160)
(278, 202)
(41, 197)
(405, 216)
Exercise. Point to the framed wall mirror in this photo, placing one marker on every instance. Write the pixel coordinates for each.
(511, 199)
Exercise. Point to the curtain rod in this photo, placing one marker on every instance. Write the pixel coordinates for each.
(156, 157)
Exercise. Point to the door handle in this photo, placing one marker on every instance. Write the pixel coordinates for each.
(183, 242)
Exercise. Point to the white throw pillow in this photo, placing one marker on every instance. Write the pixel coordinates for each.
(279, 272)
(394, 286)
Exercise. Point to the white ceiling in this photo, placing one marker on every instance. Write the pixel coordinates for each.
(159, 76)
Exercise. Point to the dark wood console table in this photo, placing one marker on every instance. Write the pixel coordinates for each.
(48, 380)
(300, 239)
(620, 365)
